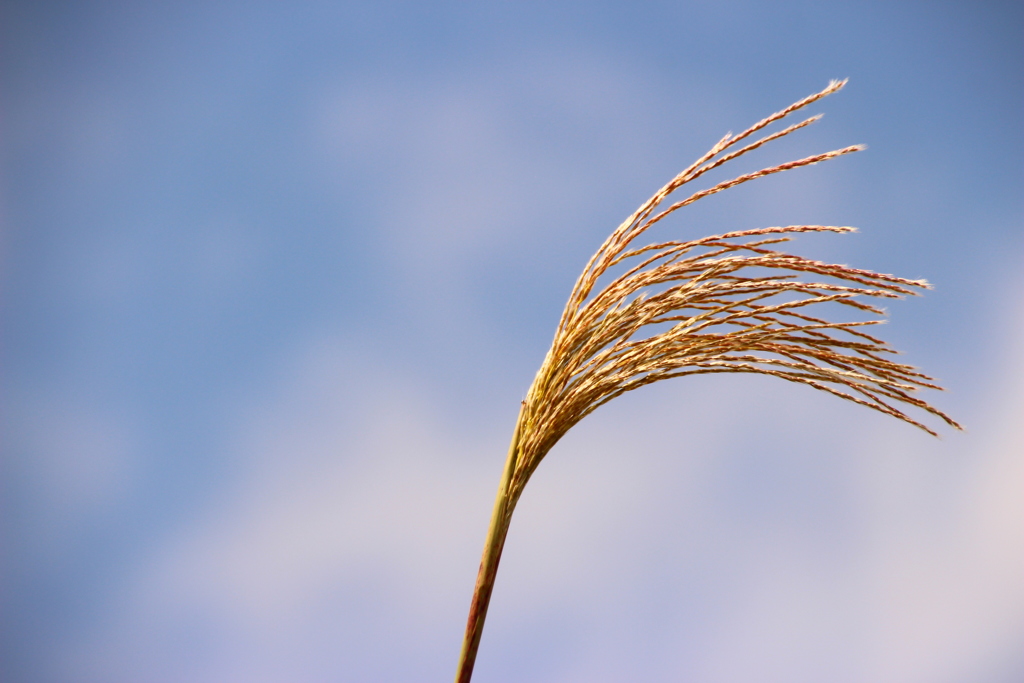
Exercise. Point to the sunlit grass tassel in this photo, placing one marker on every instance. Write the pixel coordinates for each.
(726, 303)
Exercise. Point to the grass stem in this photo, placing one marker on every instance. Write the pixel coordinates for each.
(504, 503)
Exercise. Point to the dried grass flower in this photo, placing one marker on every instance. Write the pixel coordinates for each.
(725, 303)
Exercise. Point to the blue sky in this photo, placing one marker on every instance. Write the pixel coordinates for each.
(275, 276)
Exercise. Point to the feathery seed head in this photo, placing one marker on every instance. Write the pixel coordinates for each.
(725, 303)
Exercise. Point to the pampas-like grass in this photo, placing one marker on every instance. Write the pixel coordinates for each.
(726, 303)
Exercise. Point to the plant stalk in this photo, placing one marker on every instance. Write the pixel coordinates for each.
(500, 518)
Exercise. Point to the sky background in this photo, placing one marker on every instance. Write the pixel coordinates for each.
(275, 276)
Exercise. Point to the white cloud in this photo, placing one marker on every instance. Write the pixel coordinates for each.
(351, 540)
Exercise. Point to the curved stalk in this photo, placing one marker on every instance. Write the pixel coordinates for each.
(504, 503)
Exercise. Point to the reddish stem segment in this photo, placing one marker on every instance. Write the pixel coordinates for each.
(500, 518)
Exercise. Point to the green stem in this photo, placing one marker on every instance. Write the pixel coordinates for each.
(500, 518)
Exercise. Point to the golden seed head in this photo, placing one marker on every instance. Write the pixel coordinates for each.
(725, 303)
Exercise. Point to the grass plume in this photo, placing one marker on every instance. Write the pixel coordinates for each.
(725, 303)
